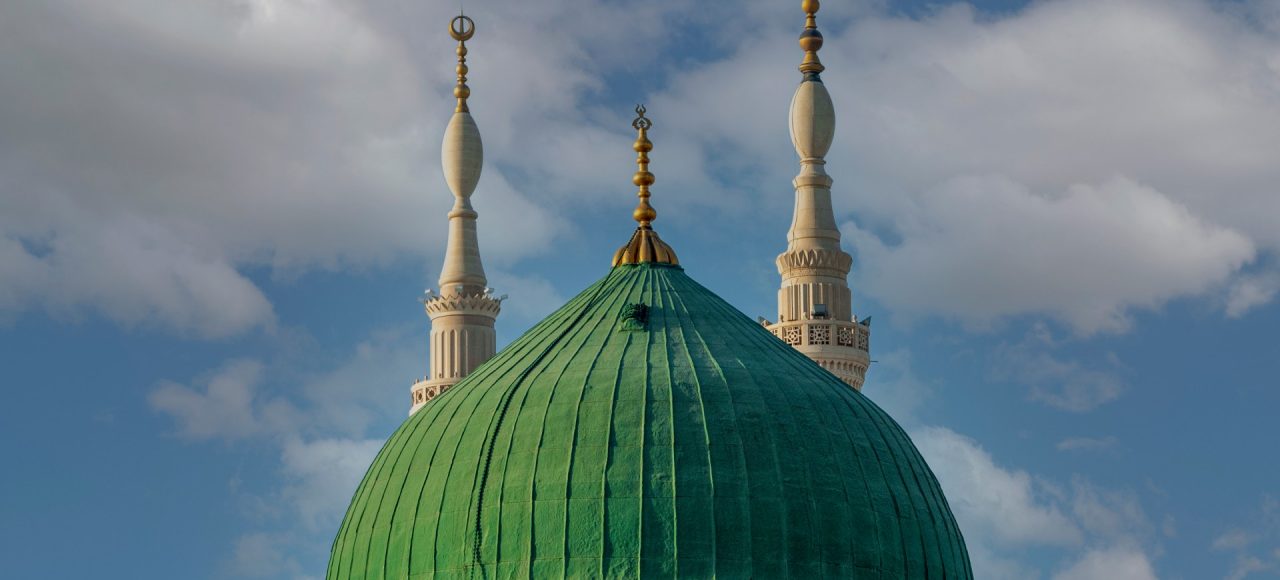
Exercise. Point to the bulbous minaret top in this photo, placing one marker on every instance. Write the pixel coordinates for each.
(815, 313)
(644, 246)
(464, 312)
(462, 157)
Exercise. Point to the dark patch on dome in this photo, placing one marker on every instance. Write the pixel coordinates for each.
(633, 317)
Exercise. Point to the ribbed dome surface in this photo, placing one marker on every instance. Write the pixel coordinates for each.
(689, 442)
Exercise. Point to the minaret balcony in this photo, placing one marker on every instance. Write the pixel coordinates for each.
(839, 346)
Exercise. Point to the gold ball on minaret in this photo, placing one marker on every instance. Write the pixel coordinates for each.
(810, 6)
(811, 40)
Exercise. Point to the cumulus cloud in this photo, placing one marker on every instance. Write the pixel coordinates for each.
(1115, 562)
(984, 248)
(227, 404)
(325, 423)
(991, 502)
(322, 474)
(1250, 291)
(132, 270)
(1006, 513)
(1232, 540)
(980, 155)
(262, 555)
(1079, 159)
(194, 140)
(1066, 384)
(245, 398)
(1252, 545)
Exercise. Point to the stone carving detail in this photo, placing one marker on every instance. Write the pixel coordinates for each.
(480, 303)
(793, 335)
(814, 260)
(864, 338)
(819, 335)
(421, 394)
(844, 337)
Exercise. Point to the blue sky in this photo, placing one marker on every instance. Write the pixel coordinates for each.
(216, 218)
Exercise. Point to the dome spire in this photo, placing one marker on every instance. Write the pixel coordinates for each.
(644, 214)
(644, 246)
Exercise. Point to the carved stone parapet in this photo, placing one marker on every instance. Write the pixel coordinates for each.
(815, 261)
(839, 346)
(475, 304)
(424, 391)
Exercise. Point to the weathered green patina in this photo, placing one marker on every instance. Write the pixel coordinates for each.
(690, 442)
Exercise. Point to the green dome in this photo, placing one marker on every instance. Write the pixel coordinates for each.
(675, 439)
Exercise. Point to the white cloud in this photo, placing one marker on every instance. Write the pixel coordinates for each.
(1251, 291)
(1252, 545)
(134, 271)
(1069, 385)
(227, 406)
(197, 139)
(1080, 159)
(300, 135)
(323, 474)
(262, 555)
(984, 248)
(1007, 514)
(1178, 95)
(1110, 516)
(1233, 540)
(327, 426)
(990, 502)
(1245, 566)
(1115, 562)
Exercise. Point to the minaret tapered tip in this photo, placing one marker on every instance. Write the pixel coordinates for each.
(462, 28)
(811, 41)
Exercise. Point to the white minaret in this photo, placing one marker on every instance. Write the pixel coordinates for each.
(815, 313)
(463, 313)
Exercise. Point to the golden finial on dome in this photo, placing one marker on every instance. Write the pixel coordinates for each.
(644, 213)
(462, 28)
(644, 246)
(811, 41)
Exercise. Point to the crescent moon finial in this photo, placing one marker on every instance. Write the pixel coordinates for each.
(462, 27)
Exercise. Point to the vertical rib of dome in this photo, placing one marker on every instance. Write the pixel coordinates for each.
(675, 440)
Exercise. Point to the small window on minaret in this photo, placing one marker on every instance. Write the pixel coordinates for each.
(820, 311)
